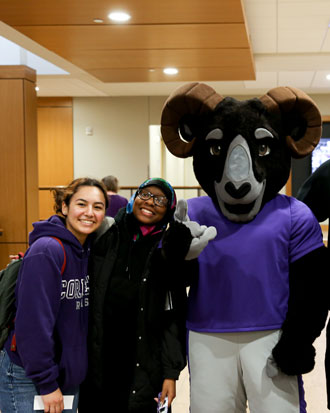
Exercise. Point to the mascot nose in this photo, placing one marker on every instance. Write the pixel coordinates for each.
(238, 164)
(238, 193)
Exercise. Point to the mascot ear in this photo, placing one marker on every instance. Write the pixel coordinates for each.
(179, 112)
(301, 117)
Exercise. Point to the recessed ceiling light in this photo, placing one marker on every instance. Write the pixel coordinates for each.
(170, 71)
(328, 77)
(98, 20)
(119, 16)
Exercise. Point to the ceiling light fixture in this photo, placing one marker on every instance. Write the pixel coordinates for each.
(119, 16)
(328, 77)
(170, 71)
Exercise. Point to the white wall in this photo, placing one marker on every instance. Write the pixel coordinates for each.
(120, 140)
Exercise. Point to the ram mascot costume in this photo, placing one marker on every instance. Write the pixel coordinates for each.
(258, 300)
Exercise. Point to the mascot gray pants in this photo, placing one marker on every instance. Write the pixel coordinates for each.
(228, 373)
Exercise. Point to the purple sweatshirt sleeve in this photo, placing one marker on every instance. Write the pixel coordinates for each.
(38, 303)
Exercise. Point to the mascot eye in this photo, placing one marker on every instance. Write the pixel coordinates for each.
(215, 150)
(264, 149)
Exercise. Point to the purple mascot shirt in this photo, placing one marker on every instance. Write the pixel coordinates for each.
(243, 282)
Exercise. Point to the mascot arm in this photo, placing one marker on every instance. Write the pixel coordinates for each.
(306, 316)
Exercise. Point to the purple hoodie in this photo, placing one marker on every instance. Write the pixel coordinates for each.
(52, 310)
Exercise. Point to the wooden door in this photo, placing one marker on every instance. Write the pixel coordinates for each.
(55, 149)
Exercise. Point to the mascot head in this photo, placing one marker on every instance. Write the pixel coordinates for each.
(241, 149)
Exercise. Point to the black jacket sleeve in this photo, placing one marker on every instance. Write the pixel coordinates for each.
(171, 272)
(173, 344)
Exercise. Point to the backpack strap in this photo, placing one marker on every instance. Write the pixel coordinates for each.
(64, 261)
(13, 340)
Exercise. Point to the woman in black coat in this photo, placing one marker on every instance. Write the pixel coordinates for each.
(137, 310)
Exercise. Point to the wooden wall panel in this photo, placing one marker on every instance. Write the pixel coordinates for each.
(12, 162)
(97, 50)
(159, 34)
(46, 203)
(55, 102)
(31, 153)
(10, 249)
(55, 146)
(130, 74)
(135, 37)
(81, 12)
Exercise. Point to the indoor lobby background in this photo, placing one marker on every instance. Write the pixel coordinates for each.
(119, 135)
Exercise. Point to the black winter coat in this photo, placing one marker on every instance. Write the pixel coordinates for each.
(137, 320)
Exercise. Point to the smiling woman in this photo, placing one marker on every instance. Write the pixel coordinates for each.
(49, 357)
(150, 205)
(85, 212)
(137, 317)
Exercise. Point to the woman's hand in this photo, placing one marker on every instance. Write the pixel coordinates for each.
(168, 390)
(53, 402)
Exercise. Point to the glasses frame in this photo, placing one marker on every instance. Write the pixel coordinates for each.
(156, 198)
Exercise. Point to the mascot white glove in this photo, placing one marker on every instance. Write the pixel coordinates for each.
(201, 233)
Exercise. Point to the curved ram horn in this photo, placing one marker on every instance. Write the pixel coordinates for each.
(192, 98)
(287, 99)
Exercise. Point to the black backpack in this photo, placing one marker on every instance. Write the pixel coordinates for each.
(8, 279)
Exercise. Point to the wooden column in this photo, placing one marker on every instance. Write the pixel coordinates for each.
(18, 159)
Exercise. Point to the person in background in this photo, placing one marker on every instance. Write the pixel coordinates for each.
(138, 306)
(315, 193)
(46, 351)
(115, 201)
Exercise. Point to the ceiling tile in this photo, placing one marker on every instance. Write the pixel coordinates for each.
(326, 42)
(302, 29)
(320, 80)
(261, 20)
(301, 80)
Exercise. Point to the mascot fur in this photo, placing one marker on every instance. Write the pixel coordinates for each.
(257, 301)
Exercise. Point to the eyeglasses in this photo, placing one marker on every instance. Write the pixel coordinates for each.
(159, 200)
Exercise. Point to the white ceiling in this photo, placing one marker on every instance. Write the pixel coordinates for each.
(290, 43)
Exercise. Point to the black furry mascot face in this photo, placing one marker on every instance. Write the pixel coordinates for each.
(241, 150)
